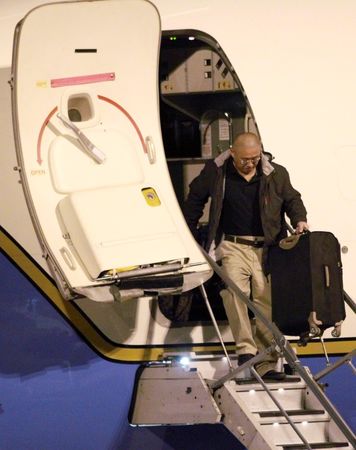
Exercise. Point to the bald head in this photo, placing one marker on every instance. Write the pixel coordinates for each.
(246, 141)
(246, 153)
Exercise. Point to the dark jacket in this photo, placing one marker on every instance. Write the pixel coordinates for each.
(277, 197)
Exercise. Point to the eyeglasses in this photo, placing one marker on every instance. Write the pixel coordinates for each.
(244, 161)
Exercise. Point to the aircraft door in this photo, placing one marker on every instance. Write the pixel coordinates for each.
(89, 144)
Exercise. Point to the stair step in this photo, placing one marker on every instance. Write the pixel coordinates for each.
(291, 412)
(318, 446)
(290, 396)
(246, 384)
(252, 380)
(282, 433)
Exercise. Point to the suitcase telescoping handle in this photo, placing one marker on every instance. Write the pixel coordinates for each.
(327, 276)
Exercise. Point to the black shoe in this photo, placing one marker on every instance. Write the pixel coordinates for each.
(242, 359)
(274, 375)
(289, 370)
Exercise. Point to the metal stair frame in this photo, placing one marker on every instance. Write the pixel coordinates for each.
(283, 347)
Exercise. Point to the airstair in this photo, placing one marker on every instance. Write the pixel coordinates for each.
(291, 414)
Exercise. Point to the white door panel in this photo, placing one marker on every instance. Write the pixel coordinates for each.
(94, 64)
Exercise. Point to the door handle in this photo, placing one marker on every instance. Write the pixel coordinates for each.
(88, 146)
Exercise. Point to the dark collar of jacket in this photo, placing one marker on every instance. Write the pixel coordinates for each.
(267, 167)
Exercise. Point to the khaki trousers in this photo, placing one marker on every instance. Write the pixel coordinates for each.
(243, 264)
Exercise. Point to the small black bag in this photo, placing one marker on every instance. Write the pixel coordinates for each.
(306, 276)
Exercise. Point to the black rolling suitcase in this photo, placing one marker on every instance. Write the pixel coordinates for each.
(306, 277)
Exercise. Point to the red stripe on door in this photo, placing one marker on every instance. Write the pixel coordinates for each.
(83, 79)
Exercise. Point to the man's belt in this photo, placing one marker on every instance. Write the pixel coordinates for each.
(238, 240)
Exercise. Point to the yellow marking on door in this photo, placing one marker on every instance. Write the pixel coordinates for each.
(151, 197)
(41, 83)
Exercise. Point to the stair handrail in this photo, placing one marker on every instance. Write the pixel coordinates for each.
(283, 346)
(348, 300)
(338, 363)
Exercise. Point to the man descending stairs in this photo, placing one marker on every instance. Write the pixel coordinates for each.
(263, 414)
